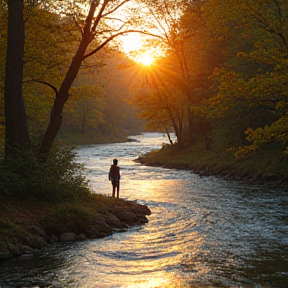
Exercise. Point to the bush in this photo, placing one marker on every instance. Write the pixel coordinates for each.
(60, 177)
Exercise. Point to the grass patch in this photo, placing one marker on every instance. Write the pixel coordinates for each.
(265, 164)
(17, 215)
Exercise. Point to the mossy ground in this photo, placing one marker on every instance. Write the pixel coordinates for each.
(16, 215)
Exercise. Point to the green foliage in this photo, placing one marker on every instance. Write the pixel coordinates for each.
(59, 178)
(74, 214)
(84, 108)
(119, 115)
(250, 96)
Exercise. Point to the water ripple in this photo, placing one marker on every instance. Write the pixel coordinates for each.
(203, 232)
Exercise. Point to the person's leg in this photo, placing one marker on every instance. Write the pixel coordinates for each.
(118, 188)
(113, 190)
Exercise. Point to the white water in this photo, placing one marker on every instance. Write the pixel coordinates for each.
(202, 232)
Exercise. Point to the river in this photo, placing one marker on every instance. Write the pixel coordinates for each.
(203, 232)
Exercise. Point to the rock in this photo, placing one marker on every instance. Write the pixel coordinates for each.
(140, 209)
(132, 215)
(67, 237)
(115, 223)
(127, 217)
(28, 250)
(5, 254)
(15, 250)
(35, 241)
(38, 231)
(81, 237)
(98, 229)
(53, 229)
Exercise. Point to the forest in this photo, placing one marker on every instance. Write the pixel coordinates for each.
(222, 88)
(218, 81)
(211, 76)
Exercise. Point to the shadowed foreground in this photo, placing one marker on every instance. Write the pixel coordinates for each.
(26, 227)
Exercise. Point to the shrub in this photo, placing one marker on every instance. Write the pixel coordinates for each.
(60, 177)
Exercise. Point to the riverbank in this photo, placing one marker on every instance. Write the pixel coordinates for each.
(268, 166)
(91, 137)
(27, 226)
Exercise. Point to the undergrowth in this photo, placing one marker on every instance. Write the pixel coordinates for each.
(60, 177)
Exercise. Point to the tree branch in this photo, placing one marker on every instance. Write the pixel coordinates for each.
(116, 35)
(94, 4)
(99, 16)
(43, 82)
(116, 8)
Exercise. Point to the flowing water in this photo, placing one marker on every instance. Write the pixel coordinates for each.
(203, 232)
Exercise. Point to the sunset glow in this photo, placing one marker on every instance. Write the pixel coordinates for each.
(133, 45)
(146, 59)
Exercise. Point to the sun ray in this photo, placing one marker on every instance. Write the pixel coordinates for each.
(146, 59)
(136, 48)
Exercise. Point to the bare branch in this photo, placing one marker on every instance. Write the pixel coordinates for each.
(116, 35)
(116, 8)
(43, 82)
(77, 24)
(114, 19)
(160, 25)
(90, 16)
(99, 16)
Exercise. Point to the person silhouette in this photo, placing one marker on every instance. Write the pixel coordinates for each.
(114, 176)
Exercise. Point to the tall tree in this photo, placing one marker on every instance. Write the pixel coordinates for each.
(16, 133)
(191, 55)
(261, 87)
(160, 101)
(94, 27)
(104, 21)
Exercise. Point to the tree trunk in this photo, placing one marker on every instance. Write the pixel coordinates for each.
(60, 100)
(177, 129)
(16, 133)
(168, 134)
(63, 93)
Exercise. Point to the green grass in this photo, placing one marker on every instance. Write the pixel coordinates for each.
(17, 215)
(265, 165)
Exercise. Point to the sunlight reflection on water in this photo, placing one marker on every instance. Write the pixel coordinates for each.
(205, 232)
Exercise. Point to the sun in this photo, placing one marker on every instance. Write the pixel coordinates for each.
(146, 59)
(133, 46)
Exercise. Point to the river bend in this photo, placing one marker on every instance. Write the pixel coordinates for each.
(203, 232)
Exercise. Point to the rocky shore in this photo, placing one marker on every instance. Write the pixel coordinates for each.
(26, 228)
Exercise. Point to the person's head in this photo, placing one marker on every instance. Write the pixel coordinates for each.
(115, 161)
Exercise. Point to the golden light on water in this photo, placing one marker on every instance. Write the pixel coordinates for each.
(163, 280)
(162, 247)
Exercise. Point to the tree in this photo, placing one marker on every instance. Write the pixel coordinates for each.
(93, 27)
(159, 101)
(118, 76)
(46, 56)
(190, 58)
(3, 42)
(85, 107)
(96, 33)
(16, 133)
(262, 86)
